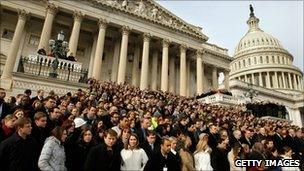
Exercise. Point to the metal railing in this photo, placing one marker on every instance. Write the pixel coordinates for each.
(40, 65)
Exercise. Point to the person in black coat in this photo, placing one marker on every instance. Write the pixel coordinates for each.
(246, 139)
(105, 156)
(39, 133)
(219, 159)
(174, 156)
(161, 160)
(213, 136)
(19, 152)
(5, 108)
(77, 156)
(150, 145)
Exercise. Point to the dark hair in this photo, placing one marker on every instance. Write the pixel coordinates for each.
(110, 132)
(286, 149)
(57, 132)
(149, 132)
(162, 142)
(21, 122)
(137, 143)
(67, 124)
(28, 91)
(83, 132)
(39, 115)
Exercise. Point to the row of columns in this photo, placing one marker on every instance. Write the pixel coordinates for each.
(278, 82)
(119, 55)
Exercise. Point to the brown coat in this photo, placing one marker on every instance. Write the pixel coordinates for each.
(187, 161)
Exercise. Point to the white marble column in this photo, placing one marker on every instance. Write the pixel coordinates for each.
(135, 69)
(226, 81)
(99, 49)
(115, 62)
(45, 36)
(284, 80)
(73, 43)
(252, 78)
(172, 75)
(199, 72)
(299, 82)
(165, 63)
(93, 50)
(145, 62)
(188, 77)
(290, 81)
(183, 71)
(295, 86)
(123, 55)
(6, 78)
(260, 79)
(268, 80)
(154, 70)
(276, 82)
(245, 76)
(215, 78)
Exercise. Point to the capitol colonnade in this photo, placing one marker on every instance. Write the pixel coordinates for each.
(130, 47)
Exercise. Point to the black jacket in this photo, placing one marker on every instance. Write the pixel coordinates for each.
(99, 158)
(219, 160)
(76, 157)
(5, 109)
(158, 162)
(17, 154)
(148, 149)
(39, 134)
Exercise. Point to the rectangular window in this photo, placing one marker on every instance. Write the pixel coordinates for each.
(7, 34)
(34, 40)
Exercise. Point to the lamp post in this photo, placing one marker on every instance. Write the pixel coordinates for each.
(59, 50)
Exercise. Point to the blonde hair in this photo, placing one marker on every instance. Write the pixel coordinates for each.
(202, 145)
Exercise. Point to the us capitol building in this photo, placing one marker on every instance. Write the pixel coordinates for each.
(262, 65)
(143, 44)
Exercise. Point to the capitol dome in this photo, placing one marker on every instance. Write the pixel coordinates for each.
(260, 59)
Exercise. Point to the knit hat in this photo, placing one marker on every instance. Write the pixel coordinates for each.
(79, 122)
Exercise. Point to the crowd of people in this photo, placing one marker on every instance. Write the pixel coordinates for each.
(119, 127)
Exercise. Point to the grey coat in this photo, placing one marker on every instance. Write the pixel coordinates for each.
(52, 155)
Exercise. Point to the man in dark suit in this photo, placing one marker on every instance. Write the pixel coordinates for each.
(105, 156)
(213, 136)
(246, 139)
(161, 160)
(141, 131)
(150, 145)
(278, 139)
(19, 151)
(40, 94)
(4, 107)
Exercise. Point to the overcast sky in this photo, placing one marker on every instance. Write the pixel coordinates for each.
(224, 22)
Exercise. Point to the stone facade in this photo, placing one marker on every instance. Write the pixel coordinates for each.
(138, 42)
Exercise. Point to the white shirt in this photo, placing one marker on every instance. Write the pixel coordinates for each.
(202, 161)
(133, 159)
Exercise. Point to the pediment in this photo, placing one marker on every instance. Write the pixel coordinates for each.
(153, 12)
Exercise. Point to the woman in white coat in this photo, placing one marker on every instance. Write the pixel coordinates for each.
(52, 157)
(133, 157)
(202, 154)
